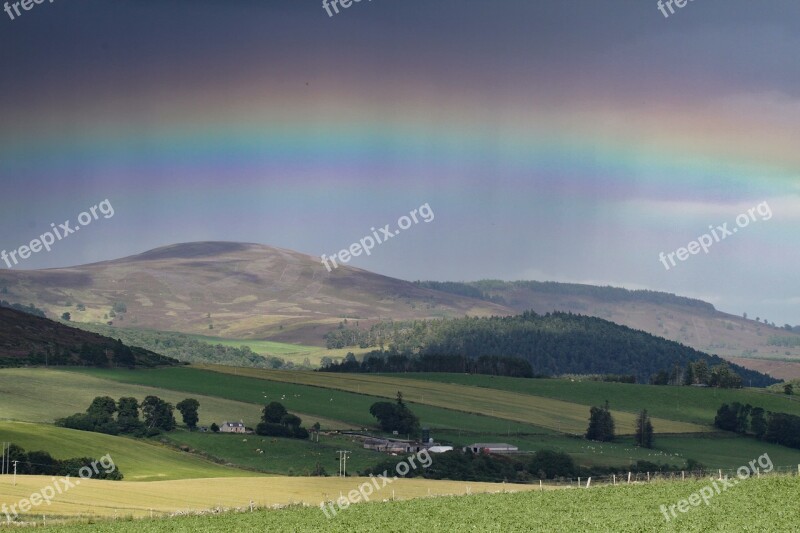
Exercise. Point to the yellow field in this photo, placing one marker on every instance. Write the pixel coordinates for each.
(546, 412)
(122, 498)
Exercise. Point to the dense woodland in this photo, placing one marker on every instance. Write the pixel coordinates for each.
(553, 344)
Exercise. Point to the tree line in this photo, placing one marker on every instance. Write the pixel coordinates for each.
(777, 428)
(122, 417)
(699, 373)
(40, 463)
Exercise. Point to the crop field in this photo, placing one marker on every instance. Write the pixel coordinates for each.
(138, 460)
(559, 415)
(749, 506)
(689, 404)
(99, 498)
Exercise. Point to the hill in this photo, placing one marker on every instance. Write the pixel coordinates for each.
(231, 290)
(26, 339)
(553, 344)
(751, 343)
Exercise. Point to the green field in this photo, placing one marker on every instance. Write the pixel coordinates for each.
(559, 415)
(315, 401)
(138, 460)
(689, 404)
(758, 504)
(281, 456)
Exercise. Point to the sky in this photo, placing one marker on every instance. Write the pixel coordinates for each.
(554, 140)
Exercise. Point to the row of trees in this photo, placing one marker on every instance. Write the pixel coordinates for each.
(778, 428)
(602, 427)
(105, 415)
(699, 373)
(385, 363)
(40, 463)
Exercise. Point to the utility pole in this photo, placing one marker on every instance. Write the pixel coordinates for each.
(15, 473)
(343, 462)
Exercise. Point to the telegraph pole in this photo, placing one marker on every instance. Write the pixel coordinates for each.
(15, 473)
(343, 462)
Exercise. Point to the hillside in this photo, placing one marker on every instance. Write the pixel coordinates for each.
(28, 339)
(231, 290)
(256, 292)
(695, 323)
(553, 344)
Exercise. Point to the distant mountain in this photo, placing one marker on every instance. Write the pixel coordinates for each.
(26, 339)
(689, 321)
(251, 291)
(553, 344)
(239, 290)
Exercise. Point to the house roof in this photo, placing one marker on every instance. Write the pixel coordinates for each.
(233, 424)
(491, 445)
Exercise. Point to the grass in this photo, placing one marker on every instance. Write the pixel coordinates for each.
(554, 414)
(688, 404)
(350, 407)
(281, 456)
(138, 460)
(758, 504)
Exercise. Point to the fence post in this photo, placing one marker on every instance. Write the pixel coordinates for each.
(541, 488)
(588, 482)
(683, 475)
(629, 477)
(615, 477)
(648, 477)
(720, 474)
(579, 481)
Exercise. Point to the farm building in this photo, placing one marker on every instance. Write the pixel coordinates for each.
(232, 427)
(491, 447)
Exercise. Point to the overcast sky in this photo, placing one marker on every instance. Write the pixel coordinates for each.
(553, 140)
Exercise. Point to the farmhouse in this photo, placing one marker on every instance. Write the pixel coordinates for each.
(232, 427)
(490, 447)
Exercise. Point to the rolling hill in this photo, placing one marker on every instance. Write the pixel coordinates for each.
(232, 290)
(28, 339)
(257, 292)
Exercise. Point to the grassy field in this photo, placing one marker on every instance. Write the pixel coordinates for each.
(99, 498)
(762, 504)
(314, 401)
(689, 404)
(281, 456)
(138, 460)
(559, 415)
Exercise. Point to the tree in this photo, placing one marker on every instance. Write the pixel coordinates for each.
(273, 413)
(214, 427)
(548, 464)
(66, 316)
(644, 430)
(788, 389)
(158, 414)
(188, 409)
(128, 416)
(395, 416)
(758, 424)
(601, 424)
(688, 377)
(701, 372)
